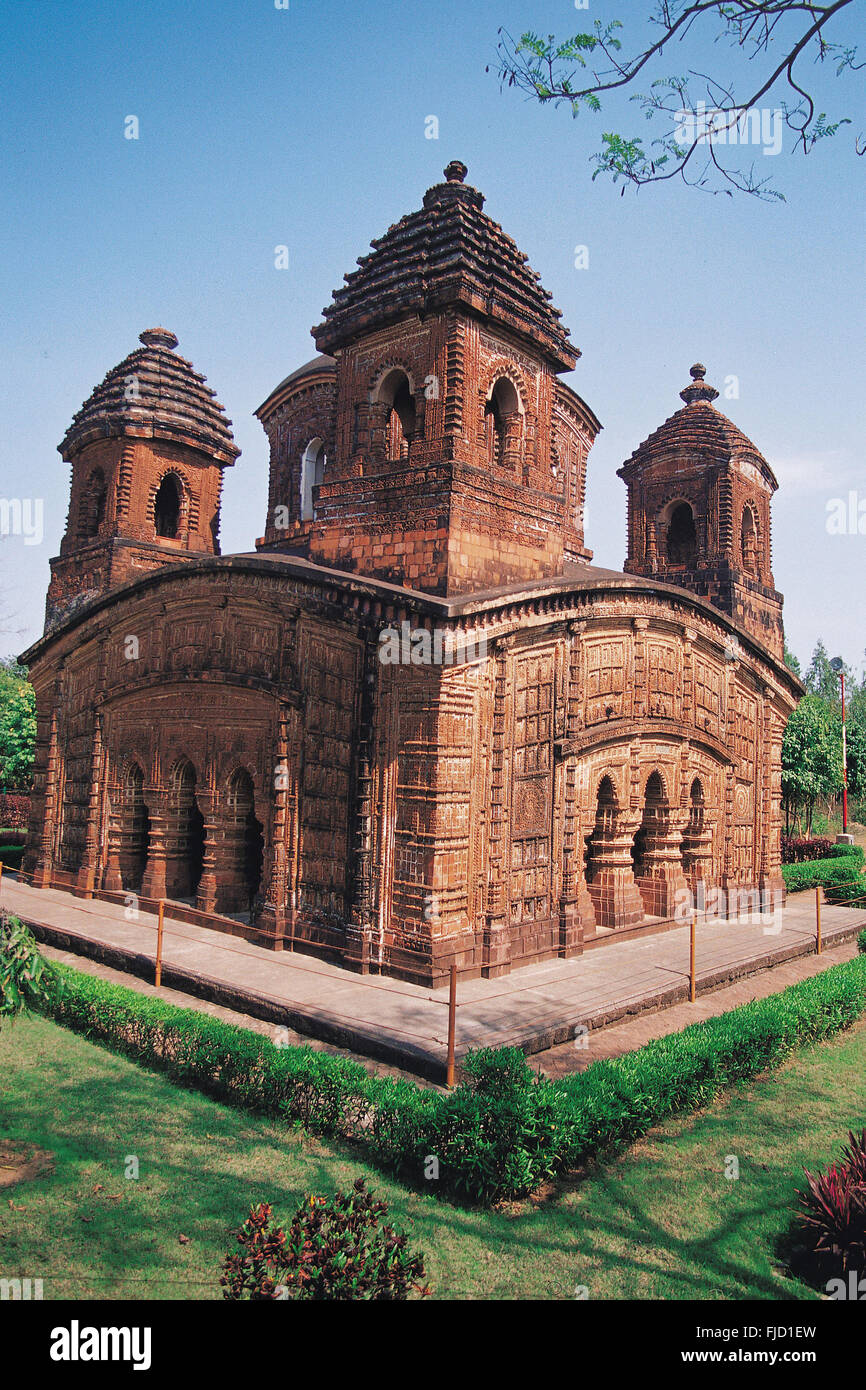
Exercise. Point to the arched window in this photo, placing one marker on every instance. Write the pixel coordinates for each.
(696, 808)
(166, 507)
(313, 461)
(401, 423)
(749, 542)
(682, 537)
(93, 504)
(502, 420)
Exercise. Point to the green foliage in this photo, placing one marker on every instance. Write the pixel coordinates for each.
(839, 875)
(811, 757)
(334, 1250)
(11, 856)
(503, 1131)
(791, 661)
(861, 943)
(551, 71)
(24, 975)
(614, 1102)
(17, 727)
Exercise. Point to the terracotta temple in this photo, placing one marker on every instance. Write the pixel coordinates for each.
(414, 725)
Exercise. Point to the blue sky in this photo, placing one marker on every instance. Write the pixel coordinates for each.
(306, 127)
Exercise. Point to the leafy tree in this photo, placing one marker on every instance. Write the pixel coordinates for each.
(17, 727)
(700, 117)
(811, 759)
(792, 662)
(856, 740)
(821, 679)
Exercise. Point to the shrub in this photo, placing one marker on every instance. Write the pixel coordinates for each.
(833, 873)
(861, 943)
(833, 1215)
(323, 1093)
(333, 1250)
(24, 975)
(800, 851)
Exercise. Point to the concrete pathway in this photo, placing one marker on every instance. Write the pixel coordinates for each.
(405, 1025)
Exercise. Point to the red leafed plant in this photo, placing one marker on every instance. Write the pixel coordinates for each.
(333, 1250)
(834, 1207)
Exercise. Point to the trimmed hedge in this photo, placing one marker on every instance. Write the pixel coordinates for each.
(11, 856)
(841, 875)
(503, 1130)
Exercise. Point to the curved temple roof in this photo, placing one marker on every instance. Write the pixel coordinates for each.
(699, 428)
(449, 252)
(154, 393)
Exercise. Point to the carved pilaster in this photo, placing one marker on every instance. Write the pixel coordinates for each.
(276, 913)
(214, 853)
(359, 933)
(89, 868)
(45, 862)
(154, 880)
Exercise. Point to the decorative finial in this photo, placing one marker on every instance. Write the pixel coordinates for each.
(699, 390)
(158, 337)
(454, 190)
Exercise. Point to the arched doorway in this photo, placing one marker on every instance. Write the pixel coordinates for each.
(609, 873)
(134, 830)
(656, 852)
(185, 857)
(397, 412)
(244, 847)
(697, 846)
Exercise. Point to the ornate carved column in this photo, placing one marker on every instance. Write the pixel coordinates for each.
(496, 947)
(153, 881)
(360, 925)
(212, 852)
(276, 913)
(612, 888)
(771, 881)
(697, 853)
(113, 879)
(662, 883)
(87, 870)
(378, 415)
(640, 689)
(45, 862)
(576, 911)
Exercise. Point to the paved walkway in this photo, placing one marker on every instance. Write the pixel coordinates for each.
(405, 1025)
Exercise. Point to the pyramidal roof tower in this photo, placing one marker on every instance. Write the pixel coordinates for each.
(699, 515)
(431, 443)
(147, 450)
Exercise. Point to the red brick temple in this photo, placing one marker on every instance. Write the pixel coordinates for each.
(415, 724)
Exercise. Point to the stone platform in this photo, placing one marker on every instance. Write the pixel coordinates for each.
(405, 1025)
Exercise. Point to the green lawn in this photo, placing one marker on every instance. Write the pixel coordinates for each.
(661, 1221)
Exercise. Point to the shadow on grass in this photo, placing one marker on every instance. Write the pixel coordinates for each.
(223, 1159)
